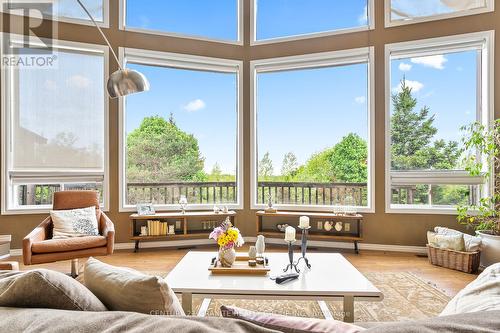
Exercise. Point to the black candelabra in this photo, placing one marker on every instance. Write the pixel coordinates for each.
(291, 265)
(303, 246)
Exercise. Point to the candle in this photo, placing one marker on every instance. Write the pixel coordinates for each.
(290, 234)
(304, 222)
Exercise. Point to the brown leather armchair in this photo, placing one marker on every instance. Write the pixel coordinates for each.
(40, 248)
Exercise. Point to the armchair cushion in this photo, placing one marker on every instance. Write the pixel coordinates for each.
(68, 244)
(74, 223)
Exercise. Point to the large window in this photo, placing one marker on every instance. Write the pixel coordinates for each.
(68, 10)
(312, 128)
(55, 125)
(436, 87)
(284, 19)
(407, 11)
(182, 137)
(218, 20)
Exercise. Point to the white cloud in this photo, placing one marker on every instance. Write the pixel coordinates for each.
(435, 61)
(78, 81)
(404, 67)
(360, 100)
(363, 18)
(195, 105)
(414, 85)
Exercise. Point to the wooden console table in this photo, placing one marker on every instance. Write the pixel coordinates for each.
(197, 229)
(292, 218)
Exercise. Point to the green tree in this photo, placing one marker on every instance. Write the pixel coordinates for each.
(290, 165)
(317, 169)
(266, 166)
(349, 159)
(159, 151)
(412, 134)
(344, 162)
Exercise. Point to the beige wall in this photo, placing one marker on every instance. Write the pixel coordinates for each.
(379, 228)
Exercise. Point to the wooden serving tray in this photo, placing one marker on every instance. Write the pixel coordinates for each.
(240, 267)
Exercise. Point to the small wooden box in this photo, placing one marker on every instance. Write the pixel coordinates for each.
(240, 267)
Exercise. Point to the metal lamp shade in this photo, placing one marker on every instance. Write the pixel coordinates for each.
(126, 81)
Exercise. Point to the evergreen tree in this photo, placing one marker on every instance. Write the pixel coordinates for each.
(412, 133)
(216, 172)
(266, 166)
(290, 164)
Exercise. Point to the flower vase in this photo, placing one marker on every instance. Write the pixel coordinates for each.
(227, 256)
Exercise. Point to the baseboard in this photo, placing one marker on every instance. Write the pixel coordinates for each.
(324, 244)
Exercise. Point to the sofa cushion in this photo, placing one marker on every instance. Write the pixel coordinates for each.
(42, 320)
(288, 324)
(482, 294)
(43, 288)
(485, 322)
(125, 289)
(68, 244)
(74, 223)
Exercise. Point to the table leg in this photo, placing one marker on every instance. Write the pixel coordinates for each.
(325, 310)
(136, 247)
(204, 307)
(349, 309)
(187, 303)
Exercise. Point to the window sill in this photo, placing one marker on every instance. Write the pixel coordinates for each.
(436, 210)
(36, 210)
(176, 207)
(311, 208)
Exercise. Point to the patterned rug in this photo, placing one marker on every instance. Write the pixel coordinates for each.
(406, 297)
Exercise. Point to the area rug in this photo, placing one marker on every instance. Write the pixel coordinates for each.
(406, 297)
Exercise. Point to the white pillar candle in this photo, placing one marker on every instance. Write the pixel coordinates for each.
(304, 222)
(290, 234)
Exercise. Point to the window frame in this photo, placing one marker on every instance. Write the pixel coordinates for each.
(314, 60)
(490, 7)
(188, 62)
(55, 176)
(255, 41)
(484, 41)
(240, 26)
(103, 24)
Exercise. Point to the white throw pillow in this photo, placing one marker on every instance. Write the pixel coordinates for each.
(431, 238)
(472, 243)
(74, 223)
(451, 242)
(482, 294)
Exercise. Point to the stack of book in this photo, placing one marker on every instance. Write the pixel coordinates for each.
(157, 228)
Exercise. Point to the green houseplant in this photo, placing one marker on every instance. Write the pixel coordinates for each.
(481, 157)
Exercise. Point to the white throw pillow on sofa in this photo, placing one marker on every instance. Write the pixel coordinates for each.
(74, 223)
(482, 294)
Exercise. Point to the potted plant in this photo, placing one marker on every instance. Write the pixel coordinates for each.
(482, 158)
(227, 237)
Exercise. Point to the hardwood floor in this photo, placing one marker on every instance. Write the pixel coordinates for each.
(163, 260)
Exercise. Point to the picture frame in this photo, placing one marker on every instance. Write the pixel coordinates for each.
(145, 209)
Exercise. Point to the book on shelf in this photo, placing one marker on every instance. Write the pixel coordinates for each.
(157, 228)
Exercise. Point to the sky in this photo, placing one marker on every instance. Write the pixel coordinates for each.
(302, 111)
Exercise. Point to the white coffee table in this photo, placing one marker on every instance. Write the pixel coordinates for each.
(331, 277)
